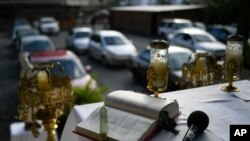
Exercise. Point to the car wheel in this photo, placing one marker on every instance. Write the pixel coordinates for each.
(105, 62)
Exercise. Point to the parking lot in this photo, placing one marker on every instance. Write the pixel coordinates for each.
(114, 78)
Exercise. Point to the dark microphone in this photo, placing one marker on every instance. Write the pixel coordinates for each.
(197, 123)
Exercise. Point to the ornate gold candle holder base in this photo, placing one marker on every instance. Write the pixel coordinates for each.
(229, 88)
(50, 126)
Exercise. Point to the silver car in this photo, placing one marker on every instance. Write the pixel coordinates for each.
(78, 39)
(170, 25)
(197, 39)
(36, 43)
(111, 47)
(49, 25)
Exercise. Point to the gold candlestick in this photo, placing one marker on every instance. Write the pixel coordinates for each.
(157, 73)
(43, 96)
(233, 62)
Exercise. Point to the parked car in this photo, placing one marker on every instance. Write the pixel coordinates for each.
(31, 44)
(20, 21)
(19, 28)
(24, 33)
(78, 39)
(221, 32)
(200, 25)
(177, 56)
(170, 25)
(111, 47)
(71, 64)
(197, 39)
(48, 25)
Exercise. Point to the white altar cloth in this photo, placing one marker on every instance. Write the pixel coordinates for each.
(223, 109)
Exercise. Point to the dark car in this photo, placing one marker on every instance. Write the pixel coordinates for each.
(221, 32)
(22, 34)
(177, 56)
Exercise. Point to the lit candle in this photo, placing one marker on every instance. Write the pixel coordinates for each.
(43, 82)
(157, 74)
(160, 69)
(235, 54)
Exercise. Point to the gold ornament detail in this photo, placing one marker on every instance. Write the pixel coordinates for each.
(42, 96)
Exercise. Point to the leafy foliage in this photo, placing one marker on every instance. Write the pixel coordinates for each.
(88, 95)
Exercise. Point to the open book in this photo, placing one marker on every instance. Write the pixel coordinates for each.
(130, 116)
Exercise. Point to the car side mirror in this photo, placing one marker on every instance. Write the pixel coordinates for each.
(88, 69)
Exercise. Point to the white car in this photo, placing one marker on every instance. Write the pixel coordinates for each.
(78, 39)
(71, 64)
(48, 25)
(36, 43)
(111, 47)
(197, 39)
(19, 28)
(171, 25)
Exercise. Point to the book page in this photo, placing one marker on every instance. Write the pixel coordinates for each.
(121, 125)
(141, 104)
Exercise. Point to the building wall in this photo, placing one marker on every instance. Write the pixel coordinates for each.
(146, 22)
(134, 22)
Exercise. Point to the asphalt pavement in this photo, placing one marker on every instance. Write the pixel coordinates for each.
(9, 76)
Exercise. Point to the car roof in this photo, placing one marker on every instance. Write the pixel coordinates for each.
(29, 32)
(177, 20)
(35, 37)
(176, 49)
(21, 21)
(46, 56)
(109, 33)
(47, 18)
(192, 31)
(82, 29)
(22, 27)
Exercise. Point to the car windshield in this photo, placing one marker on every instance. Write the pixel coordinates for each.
(36, 46)
(182, 25)
(113, 40)
(48, 21)
(70, 68)
(82, 34)
(202, 38)
(176, 60)
(26, 33)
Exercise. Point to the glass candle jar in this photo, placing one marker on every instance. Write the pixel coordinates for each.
(157, 74)
(234, 54)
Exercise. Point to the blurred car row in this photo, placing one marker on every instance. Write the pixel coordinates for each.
(36, 48)
(196, 35)
(111, 47)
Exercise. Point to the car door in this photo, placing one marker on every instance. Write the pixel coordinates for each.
(178, 39)
(96, 46)
(183, 40)
(188, 41)
(142, 64)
